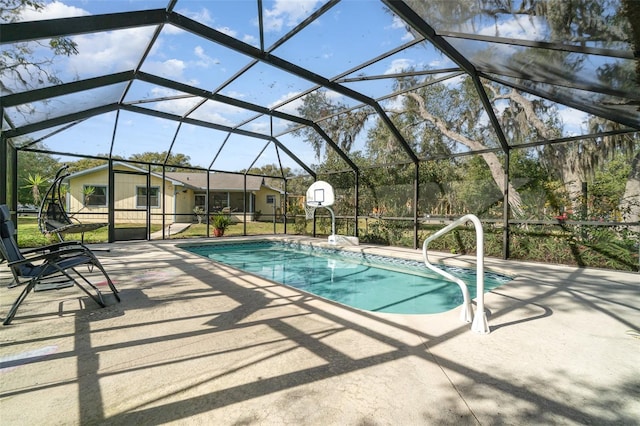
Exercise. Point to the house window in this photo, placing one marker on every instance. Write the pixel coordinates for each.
(200, 200)
(95, 195)
(271, 199)
(141, 196)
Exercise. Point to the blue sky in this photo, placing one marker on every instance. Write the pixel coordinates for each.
(367, 28)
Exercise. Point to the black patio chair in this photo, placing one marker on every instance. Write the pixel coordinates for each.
(52, 217)
(49, 267)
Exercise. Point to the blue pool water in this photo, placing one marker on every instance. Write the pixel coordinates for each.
(369, 282)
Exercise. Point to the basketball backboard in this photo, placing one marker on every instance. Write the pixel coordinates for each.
(320, 194)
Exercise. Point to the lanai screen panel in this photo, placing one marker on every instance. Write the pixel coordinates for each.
(94, 54)
(199, 144)
(566, 51)
(280, 18)
(237, 19)
(160, 98)
(320, 47)
(59, 106)
(409, 66)
(190, 59)
(89, 137)
(221, 113)
(265, 85)
(140, 133)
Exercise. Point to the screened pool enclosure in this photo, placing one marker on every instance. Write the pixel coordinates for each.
(525, 113)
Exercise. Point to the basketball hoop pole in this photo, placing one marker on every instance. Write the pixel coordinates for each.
(333, 221)
(311, 208)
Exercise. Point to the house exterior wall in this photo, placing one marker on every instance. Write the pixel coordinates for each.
(179, 201)
(185, 203)
(266, 208)
(125, 198)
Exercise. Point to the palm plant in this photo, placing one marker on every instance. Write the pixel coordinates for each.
(35, 182)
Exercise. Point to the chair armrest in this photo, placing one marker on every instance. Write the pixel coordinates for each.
(51, 247)
(54, 255)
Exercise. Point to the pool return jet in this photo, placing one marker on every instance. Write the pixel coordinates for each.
(321, 194)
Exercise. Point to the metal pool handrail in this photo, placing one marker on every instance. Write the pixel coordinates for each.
(479, 324)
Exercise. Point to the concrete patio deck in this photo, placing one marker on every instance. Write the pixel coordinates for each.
(193, 342)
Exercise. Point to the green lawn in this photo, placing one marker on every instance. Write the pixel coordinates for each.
(253, 228)
(30, 236)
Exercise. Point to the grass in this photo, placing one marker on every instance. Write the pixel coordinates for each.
(30, 236)
(253, 228)
(549, 244)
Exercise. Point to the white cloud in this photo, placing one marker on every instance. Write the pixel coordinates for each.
(101, 53)
(202, 16)
(216, 112)
(287, 13)
(399, 65)
(260, 127)
(573, 120)
(170, 29)
(228, 31)
(249, 39)
(407, 36)
(171, 68)
(399, 24)
(205, 60)
(455, 81)
(531, 28)
(264, 126)
(291, 107)
(234, 94)
(53, 10)
(173, 106)
(394, 104)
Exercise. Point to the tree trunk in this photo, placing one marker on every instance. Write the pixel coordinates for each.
(630, 202)
(492, 160)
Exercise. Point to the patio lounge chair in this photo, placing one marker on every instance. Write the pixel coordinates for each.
(47, 268)
(52, 217)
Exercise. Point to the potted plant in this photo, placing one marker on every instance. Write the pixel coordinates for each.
(220, 222)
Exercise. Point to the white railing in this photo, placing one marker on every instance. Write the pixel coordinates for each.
(479, 322)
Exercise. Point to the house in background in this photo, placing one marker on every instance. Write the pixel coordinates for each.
(140, 196)
(226, 192)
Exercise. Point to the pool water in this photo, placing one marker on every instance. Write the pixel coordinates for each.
(368, 282)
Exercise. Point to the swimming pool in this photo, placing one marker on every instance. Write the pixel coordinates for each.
(364, 281)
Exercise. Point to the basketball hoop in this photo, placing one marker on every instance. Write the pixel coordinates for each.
(309, 211)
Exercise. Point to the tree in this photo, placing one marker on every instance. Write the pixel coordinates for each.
(630, 202)
(605, 22)
(334, 118)
(35, 183)
(31, 164)
(20, 67)
(87, 163)
(271, 170)
(174, 162)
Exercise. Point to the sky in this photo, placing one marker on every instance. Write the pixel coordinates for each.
(365, 25)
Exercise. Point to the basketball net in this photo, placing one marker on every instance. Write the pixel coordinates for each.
(309, 211)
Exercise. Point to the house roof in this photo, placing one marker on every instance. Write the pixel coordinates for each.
(218, 181)
(195, 180)
(121, 165)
